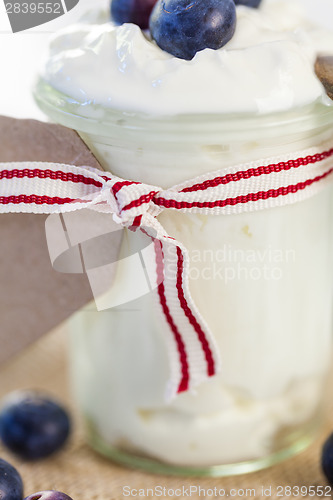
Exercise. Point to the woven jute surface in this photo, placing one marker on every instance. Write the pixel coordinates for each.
(82, 474)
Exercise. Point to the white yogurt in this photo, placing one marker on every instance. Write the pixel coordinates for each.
(266, 67)
(274, 333)
(274, 337)
(269, 311)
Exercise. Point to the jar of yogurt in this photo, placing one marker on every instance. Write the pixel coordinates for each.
(261, 279)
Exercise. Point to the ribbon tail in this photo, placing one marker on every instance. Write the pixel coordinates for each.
(51, 188)
(193, 353)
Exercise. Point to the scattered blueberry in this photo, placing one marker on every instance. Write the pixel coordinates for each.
(132, 11)
(11, 485)
(248, 3)
(327, 459)
(33, 426)
(183, 27)
(48, 495)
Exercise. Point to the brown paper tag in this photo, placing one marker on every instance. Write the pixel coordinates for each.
(324, 71)
(34, 298)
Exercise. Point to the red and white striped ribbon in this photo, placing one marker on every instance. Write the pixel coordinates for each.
(53, 188)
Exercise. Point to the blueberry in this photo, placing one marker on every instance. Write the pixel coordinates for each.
(132, 11)
(248, 3)
(11, 485)
(183, 27)
(48, 495)
(327, 459)
(33, 426)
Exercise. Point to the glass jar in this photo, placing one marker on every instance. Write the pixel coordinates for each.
(262, 281)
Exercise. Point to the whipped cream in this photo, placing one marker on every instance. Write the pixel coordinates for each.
(266, 67)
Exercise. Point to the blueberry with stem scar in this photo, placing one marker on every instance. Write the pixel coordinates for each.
(48, 495)
(184, 27)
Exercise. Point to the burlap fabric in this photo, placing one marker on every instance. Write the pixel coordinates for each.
(82, 474)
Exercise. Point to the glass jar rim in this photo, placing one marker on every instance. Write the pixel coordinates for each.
(88, 117)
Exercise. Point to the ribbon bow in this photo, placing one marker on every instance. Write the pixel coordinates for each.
(55, 188)
(129, 200)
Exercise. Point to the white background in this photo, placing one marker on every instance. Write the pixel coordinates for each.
(21, 53)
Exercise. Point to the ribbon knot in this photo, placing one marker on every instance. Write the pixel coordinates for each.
(129, 201)
(264, 184)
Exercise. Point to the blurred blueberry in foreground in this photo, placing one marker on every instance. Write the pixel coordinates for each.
(48, 495)
(327, 459)
(11, 485)
(33, 426)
